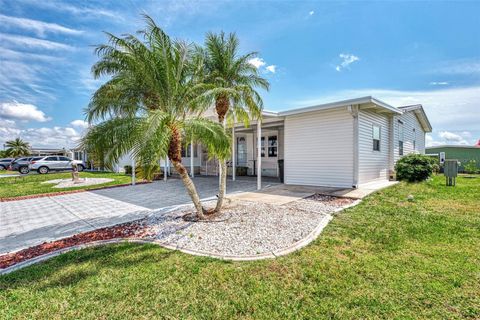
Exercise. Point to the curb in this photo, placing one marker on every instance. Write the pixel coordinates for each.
(274, 254)
(61, 193)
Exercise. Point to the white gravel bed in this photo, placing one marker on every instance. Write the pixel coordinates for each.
(245, 228)
(68, 183)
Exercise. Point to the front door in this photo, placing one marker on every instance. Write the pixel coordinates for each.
(241, 151)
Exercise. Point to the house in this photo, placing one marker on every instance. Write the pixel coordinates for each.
(462, 153)
(339, 144)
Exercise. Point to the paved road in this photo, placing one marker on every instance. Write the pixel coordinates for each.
(26, 223)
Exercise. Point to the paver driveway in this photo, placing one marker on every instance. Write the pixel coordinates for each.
(25, 223)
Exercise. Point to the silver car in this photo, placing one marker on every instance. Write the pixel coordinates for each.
(55, 163)
(5, 163)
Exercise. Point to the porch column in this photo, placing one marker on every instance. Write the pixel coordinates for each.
(165, 169)
(133, 171)
(233, 153)
(259, 154)
(191, 159)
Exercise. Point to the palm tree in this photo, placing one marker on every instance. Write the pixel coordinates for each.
(236, 79)
(17, 148)
(152, 103)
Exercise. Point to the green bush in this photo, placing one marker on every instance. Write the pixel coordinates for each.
(415, 167)
(471, 167)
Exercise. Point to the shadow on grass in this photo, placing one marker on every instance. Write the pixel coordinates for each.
(75, 266)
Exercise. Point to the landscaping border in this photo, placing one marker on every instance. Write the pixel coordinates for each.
(59, 193)
(274, 254)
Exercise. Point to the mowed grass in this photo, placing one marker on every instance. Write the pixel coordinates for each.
(32, 183)
(385, 258)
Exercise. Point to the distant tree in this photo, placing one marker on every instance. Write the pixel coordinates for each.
(471, 167)
(17, 148)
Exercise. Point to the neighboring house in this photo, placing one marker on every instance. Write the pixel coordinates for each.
(461, 153)
(339, 144)
(49, 152)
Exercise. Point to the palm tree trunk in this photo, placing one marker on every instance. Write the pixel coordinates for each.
(222, 185)
(175, 155)
(192, 191)
(222, 105)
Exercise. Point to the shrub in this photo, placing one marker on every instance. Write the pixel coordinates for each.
(471, 167)
(415, 167)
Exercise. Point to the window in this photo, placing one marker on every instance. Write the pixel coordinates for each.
(51, 159)
(400, 138)
(414, 140)
(263, 146)
(64, 159)
(376, 138)
(186, 151)
(272, 146)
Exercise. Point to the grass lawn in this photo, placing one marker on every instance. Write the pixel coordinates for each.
(32, 184)
(8, 172)
(386, 258)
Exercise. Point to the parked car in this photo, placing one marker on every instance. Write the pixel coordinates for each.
(22, 164)
(55, 163)
(5, 163)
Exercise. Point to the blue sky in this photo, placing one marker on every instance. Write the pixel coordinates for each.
(312, 52)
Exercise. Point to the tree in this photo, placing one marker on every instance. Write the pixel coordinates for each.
(152, 103)
(235, 79)
(17, 148)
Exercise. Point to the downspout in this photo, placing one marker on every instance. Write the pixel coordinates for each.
(353, 109)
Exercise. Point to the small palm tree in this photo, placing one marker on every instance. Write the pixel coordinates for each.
(235, 79)
(152, 103)
(17, 148)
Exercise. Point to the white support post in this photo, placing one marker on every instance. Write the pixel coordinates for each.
(259, 154)
(165, 169)
(233, 153)
(191, 159)
(133, 171)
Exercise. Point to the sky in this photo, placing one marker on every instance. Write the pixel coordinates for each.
(311, 52)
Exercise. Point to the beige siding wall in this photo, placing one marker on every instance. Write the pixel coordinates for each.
(373, 165)
(319, 148)
(410, 122)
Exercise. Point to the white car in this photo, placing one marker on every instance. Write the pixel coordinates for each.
(54, 163)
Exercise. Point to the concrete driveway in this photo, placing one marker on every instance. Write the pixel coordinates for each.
(30, 222)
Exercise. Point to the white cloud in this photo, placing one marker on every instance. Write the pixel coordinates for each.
(79, 124)
(463, 67)
(347, 59)
(80, 11)
(271, 68)
(311, 13)
(438, 83)
(44, 137)
(450, 136)
(21, 111)
(257, 62)
(449, 109)
(30, 42)
(39, 27)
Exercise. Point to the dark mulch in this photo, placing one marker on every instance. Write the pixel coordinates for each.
(126, 230)
(332, 200)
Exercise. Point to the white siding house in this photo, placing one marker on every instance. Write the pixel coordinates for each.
(340, 144)
(319, 148)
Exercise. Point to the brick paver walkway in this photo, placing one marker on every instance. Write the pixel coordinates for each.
(26, 223)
